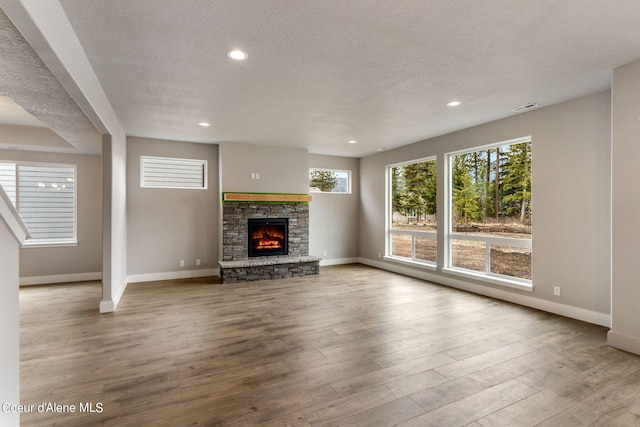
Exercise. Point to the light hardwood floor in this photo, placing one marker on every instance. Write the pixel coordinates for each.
(355, 346)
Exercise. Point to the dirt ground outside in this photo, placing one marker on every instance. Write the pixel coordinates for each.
(469, 254)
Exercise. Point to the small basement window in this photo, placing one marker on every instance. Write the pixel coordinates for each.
(168, 172)
(329, 181)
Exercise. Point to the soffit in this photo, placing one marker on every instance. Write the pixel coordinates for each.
(31, 97)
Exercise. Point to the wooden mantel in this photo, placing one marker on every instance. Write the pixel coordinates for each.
(266, 197)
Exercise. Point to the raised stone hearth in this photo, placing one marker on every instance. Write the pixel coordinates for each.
(236, 266)
(266, 269)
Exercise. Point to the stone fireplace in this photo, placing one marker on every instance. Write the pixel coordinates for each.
(268, 240)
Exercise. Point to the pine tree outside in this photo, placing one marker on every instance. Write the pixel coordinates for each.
(491, 197)
(413, 223)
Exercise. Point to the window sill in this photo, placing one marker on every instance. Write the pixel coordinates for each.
(328, 192)
(515, 283)
(422, 264)
(36, 244)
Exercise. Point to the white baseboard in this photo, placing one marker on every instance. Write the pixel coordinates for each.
(589, 316)
(339, 261)
(109, 305)
(623, 342)
(172, 275)
(60, 278)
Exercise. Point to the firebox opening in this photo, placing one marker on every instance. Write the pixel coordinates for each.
(268, 237)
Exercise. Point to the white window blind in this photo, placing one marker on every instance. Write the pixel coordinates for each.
(8, 180)
(45, 197)
(167, 172)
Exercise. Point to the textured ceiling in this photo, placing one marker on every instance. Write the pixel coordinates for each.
(320, 73)
(30, 96)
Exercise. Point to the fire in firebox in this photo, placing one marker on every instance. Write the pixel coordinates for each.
(267, 237)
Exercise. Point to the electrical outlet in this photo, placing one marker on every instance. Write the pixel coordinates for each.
(556, 291)
(181, 263)
(197, 262)
(324, 253)
(379, 254)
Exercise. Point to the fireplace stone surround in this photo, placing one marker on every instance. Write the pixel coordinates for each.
(236, 265)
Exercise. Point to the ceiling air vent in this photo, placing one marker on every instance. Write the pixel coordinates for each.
(524, 107)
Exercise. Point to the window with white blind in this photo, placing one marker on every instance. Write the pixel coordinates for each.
(8, 180)
(45, 197)
(168, 172)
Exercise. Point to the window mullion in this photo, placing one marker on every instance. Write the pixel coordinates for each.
(413, 246)
(488, 257)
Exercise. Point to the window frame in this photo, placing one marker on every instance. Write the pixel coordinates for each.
(450, 236)
(348, 172)
(47, 242)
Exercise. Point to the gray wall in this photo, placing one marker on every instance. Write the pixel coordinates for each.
(282, 170)
(169, 225)
(39, 138)
(625, 333)
(42, 265)
(333, 218)
(571, 197)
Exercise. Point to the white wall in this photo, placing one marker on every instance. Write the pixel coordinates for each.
(571, 203)
(82, 262)
(333, 217)
(10, 321)
(9, 309)
(114, 220)
(169, 225)
(625, 333)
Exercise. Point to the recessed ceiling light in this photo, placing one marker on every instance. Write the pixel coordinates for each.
(382, 148)
(454, 103)
(352, 141)
(237, 55)
(204, 124)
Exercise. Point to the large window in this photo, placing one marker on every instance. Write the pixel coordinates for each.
(485, 220)
(412, 221)
(45, 197)
(490, 212)
(329, 181)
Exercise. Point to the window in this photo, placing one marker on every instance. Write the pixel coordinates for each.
(166, 172)
(45, 197)
(411, 220)
(485, 220)
(329, 181)
(489, 212)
